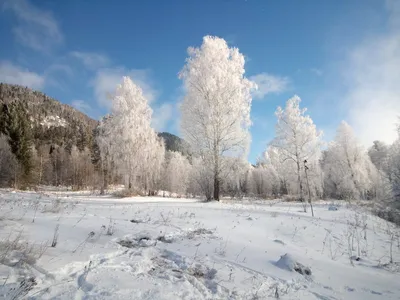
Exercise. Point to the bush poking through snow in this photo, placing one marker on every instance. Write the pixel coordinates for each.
(287, 262)
(36, 206)
(82, 245)
(197, 232)
(141, 240)
(274, 214)
(201, 271)
(23, 289)
(55, 236)
(221, 250)
(111, 227)
(16, 252)
(55, 207)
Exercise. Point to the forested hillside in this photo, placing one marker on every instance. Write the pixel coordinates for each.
(46, 142)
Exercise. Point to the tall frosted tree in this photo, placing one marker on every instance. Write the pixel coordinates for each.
(216, 107)
(126, 138)
(297, 140)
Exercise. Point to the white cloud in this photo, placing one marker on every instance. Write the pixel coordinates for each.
(268, 84)
(59, 68)
(106, 80)
(81, 106)
(10, 73)
(373, 74)
(316, 71)
(91, 60)
(161, 116)
(36, 29)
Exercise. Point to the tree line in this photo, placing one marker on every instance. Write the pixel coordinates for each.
(215, 110)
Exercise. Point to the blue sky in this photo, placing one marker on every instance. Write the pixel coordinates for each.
(339, 56)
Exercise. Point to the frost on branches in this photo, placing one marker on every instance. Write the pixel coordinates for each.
(349, 172)
(176, 173)
(216, 107)
(126, 139)
(297, 140)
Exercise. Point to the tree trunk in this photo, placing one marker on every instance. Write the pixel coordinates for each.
(300, 186)
(15, 176)
(309, 190)
(104, 184)
(216, 172)
(216, 187)
(41, 169)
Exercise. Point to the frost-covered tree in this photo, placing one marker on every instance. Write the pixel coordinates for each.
(264, 181)
(151, 166)
(297, 139)
(348, 169)
(126, 138)
(280, 171)
(201, 179)
(176, 172)
(379, 154)
(216, 107)
(235, 181)
(394, 171)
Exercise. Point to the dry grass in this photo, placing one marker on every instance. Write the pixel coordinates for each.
(55, 207)
(290, 198)
(126, 193)
(14, 251)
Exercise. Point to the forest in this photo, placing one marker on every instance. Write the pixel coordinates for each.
(41, 145)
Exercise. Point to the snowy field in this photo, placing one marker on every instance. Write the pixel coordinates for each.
(164, 248)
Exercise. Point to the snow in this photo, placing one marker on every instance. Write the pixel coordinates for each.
(166, 248)
(54, 121)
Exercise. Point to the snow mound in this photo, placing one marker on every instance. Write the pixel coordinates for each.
(287, 262)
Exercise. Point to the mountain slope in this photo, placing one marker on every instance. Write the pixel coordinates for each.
(175, 143)
(54, 123)
(51, 121)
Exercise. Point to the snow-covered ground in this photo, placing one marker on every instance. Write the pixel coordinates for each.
(160, 248)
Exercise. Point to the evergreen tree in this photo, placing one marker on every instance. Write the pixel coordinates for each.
(15, 125)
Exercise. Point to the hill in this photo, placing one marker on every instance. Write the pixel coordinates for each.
(51, 121)
(175, 143)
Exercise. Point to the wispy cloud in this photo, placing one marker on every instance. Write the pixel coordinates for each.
(316, 71)
(162, 115)
(373, 76)
(81, 106)
(36, 28)
(268, 84)
(91, 60)
(10, 73)
(59, 68)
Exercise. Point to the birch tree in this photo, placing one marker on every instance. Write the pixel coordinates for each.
(127, 139)
(347, 166)
(394, 171)
(216, 107)
(176, 173)
(297, 139)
